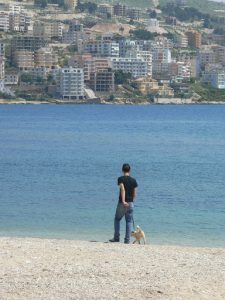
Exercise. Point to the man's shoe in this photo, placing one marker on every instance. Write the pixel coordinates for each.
(114, 240)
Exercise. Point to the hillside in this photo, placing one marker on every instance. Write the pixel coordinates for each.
(204, 6)
(132, 3)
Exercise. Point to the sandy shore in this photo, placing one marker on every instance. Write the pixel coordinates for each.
(59, 269)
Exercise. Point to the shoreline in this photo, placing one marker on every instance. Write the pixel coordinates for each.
(62, 102)
(34, 268)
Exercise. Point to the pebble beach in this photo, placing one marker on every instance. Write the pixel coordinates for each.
(33, 268)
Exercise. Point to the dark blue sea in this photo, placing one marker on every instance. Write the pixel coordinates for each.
(59, 166)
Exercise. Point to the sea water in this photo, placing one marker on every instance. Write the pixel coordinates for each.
(59, 167)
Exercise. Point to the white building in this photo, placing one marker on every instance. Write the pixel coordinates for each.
(103, 48)
(141, 54)
(182, 41)
(2, 73)
(71, 83)
(4, 21)
(136, 66)
(153, 23)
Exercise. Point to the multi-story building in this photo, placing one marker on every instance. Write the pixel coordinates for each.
(102, 81)
(180, 70)
(153, 23)
(120, 10)
(24, 59)
(215, 77)
(137, 67)
(161, 42)
(182, 41)
(46, 58)
(171, 21)
(76, 26)
(11, 79)
(2, 67)
(89, 64)
(194, 38)
(134, 13)
(71, 83)
(102, 48)
(105, 10)
(2, 49)
(4, 21)
(161, 55)
(206, 56)
(70, 4)
(145, 55)
(27, 42)
(74, 33)
(48, 30)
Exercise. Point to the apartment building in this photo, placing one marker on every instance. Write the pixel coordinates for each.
(137, 67)
(2, 67)
(74, 33)
(27, 42)
(120, 10)
(182, 41)
(24, 59)
(48, 30)
(2, 49)
(102, 81)
(162, 42)
(145, 55)
(46, 58)
(71, 83)
(153, 23)
(206, 56)
(105, 10)
(11, 79)
(215, 77)
(194, 38)
(161, 55)
(134, 13)
(4, 21)
(102, 48)
(89, 64)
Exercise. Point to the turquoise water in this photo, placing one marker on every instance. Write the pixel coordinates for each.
(59, 167)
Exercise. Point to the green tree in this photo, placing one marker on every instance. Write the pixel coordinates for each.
(122, 77)
(111, 97)
(142, 34)
(26, 77)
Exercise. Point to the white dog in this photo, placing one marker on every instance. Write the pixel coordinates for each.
(138, 234)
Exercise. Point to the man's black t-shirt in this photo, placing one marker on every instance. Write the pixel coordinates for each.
(129, 184)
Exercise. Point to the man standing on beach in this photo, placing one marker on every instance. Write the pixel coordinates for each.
(125, 207)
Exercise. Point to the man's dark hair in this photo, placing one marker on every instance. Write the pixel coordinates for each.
(126, 168)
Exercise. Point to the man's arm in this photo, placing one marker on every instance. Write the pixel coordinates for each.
(123, 194)
(134, 193)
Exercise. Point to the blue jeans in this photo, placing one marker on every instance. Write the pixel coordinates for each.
(122, 211)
